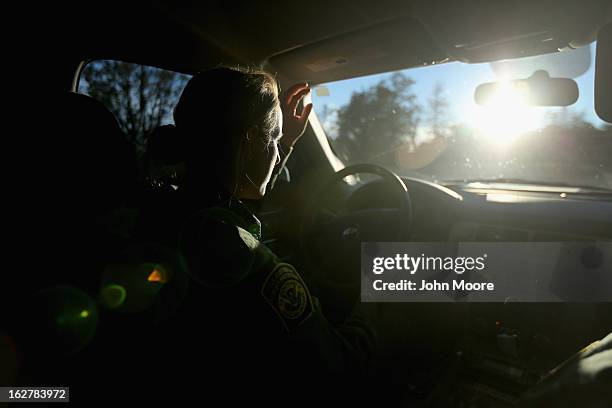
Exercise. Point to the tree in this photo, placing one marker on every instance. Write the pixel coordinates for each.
(378, 120)
(329, 119)
(438, 111)
(568, 118)
(140, 97)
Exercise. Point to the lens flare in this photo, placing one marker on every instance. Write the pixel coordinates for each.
(506, 114)
(113, 296)
(65, 317)
(157, 275)
(9, 359)
(150, 278)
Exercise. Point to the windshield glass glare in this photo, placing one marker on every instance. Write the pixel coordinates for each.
(424, 122)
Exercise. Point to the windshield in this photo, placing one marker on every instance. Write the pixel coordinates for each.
(423, 122)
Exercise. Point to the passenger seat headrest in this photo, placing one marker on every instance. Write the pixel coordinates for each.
(94, 159)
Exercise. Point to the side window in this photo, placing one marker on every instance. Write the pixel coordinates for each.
(141, 97)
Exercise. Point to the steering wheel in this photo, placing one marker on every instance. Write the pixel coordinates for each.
(331, 239)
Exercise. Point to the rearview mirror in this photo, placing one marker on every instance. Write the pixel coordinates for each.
(537, 90)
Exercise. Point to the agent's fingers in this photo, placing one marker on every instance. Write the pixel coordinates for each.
(305, 113)
(297, 98)
(291, 92)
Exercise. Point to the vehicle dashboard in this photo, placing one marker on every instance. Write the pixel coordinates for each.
(490, 352)
(502, 349)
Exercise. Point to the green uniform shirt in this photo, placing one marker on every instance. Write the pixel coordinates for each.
(221, 248)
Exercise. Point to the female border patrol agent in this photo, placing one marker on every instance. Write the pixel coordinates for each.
(251, 318)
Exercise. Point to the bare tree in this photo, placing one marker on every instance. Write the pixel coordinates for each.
(141, 97)
(438, 111)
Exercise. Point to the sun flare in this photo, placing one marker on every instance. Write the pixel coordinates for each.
(506, 115)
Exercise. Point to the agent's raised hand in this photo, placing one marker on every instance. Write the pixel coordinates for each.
(294, 120)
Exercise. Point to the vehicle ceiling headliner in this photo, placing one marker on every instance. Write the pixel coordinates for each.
(328, 40)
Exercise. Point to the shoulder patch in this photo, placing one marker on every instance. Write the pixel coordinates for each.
(288, 295)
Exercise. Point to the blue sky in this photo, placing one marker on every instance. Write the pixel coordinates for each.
(460, 80)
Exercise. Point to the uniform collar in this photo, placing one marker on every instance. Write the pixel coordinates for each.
(220, 197)
(251, 222)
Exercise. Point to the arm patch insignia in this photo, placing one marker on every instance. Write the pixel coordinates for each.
(287, 294)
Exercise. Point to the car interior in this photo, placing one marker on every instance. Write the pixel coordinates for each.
(102, 190)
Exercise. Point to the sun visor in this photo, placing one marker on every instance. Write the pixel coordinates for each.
(388, 46)
(483, 31)
(603, 74)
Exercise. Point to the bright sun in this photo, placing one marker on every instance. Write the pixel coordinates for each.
(506, 115)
